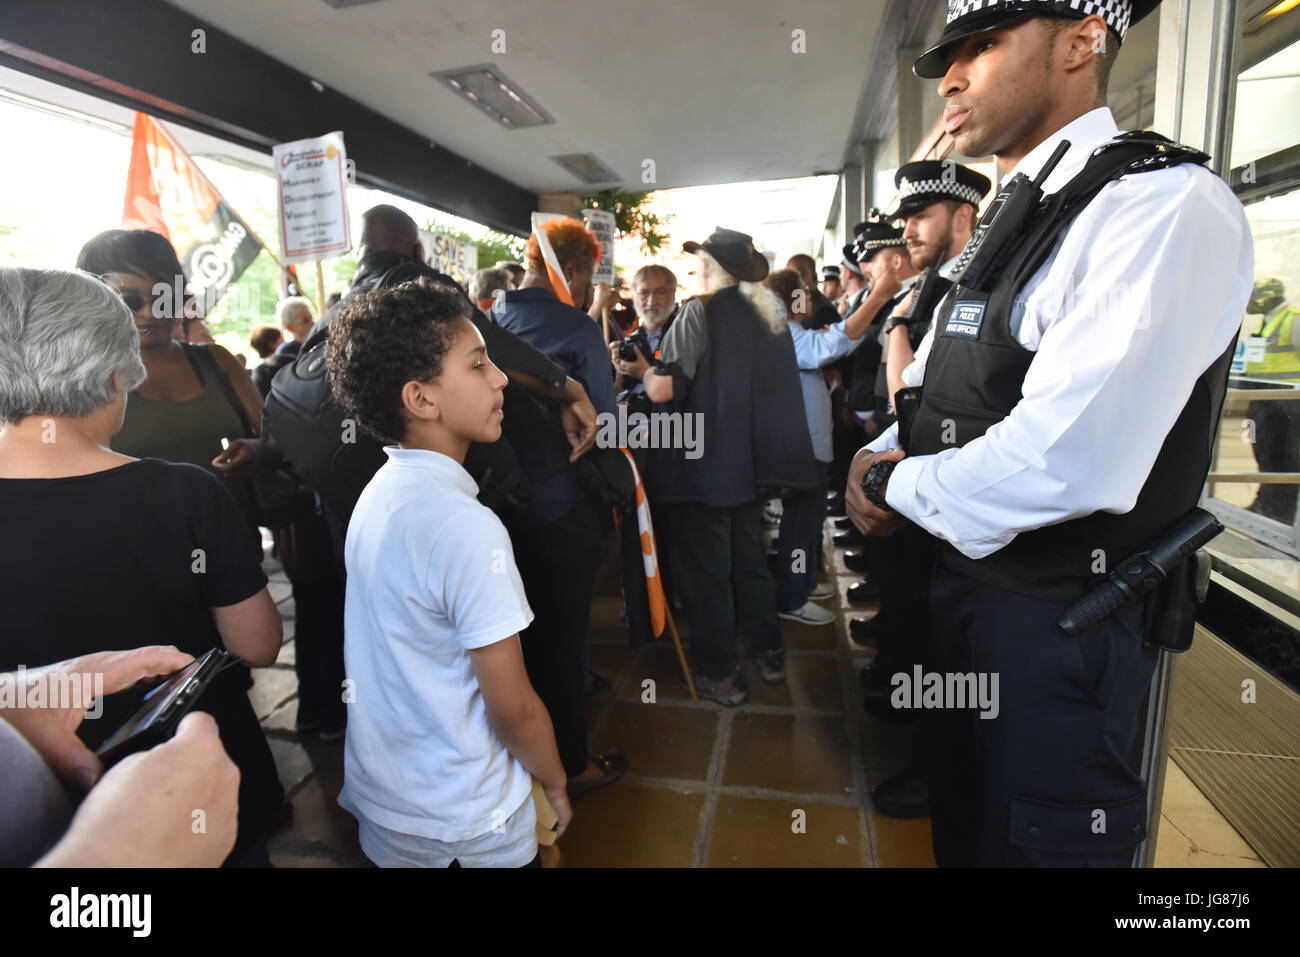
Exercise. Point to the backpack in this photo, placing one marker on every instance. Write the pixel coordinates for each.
(338, 458)
(326, 447)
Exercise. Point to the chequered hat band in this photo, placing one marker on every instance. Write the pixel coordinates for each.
(1118, 14)
(872, 245)
(967, 194)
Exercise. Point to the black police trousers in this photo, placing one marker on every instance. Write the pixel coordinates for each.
(1045, 779)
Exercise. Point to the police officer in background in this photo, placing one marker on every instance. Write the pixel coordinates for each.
(832, 288)
(1063, 423)
(846, 432)
(1277, 422)
(851, 278)
(882, 255)
(938, 202)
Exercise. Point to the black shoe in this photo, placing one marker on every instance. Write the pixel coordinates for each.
(876, 702)
(856, 561)
(865, 633)
(876, 676)
(835, 506)
(905, 795)
(866, 630)
(771, 666)
(843, 523)
(848, 539)
(860, 593)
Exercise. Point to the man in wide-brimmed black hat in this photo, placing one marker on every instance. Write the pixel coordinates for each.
(1063, 424)
(729, 360)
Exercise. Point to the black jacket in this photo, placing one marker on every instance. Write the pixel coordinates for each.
(507, 351)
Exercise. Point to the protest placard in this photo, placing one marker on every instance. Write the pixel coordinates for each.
(313, 198)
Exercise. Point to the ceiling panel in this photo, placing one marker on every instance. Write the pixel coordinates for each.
(712, 92)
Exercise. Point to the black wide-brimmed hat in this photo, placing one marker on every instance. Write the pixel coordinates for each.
(968, 18)
(734, 252)
(929, 181)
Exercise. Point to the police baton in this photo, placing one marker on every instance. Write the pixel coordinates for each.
(1142, 573)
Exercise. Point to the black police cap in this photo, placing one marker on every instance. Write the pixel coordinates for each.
(968, 18)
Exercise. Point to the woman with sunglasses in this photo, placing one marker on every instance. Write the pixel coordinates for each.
(195, 395)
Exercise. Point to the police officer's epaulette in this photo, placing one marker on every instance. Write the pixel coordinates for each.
(1127, 154)
(1151, 151)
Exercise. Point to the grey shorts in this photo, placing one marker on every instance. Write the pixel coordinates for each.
(514, 845)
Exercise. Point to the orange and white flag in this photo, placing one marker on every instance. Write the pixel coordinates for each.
(167, 193)
(649, 555)
(558, 282)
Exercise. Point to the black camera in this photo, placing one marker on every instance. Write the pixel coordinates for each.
(634, 344)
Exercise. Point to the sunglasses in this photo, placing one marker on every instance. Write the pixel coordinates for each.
(134, 301)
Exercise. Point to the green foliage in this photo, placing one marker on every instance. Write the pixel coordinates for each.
(630, 218)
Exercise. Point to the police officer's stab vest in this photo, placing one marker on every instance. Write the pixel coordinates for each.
(973, 381)
(1280, 361)
(926, 295)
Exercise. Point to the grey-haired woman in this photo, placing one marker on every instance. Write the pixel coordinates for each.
(102, 550)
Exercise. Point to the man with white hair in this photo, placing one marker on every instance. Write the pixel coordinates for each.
(654, 291)
(295, 317)
(728, 363)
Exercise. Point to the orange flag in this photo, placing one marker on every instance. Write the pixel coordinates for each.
(168, 194)
(649, 554)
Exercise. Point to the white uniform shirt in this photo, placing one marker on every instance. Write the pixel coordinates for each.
(914, 372)
(1144, 292)
(431, 576)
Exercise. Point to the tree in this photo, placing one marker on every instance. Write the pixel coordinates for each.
(630, 216)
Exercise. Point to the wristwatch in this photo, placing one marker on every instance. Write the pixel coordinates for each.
(873, 484)
(896, 321)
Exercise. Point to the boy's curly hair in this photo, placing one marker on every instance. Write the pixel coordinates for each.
(381, 340)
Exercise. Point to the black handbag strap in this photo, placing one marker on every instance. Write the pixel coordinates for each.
(205, 358)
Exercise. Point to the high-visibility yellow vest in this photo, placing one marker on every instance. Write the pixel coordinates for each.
(1280, 361)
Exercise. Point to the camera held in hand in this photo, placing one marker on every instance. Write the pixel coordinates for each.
(635, 344)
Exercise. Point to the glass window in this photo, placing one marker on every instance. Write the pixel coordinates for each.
(1256, 468)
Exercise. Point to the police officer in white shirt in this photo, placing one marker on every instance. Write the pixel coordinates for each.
(832, 286)
(1063, 423)
(851, 278)
(938, 202)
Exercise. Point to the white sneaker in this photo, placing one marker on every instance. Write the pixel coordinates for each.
(822, 592)
(809, 614)
(772, 513)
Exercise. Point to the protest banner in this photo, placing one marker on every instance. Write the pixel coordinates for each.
(310, 176)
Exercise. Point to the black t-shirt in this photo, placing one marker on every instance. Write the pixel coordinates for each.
(132, 556)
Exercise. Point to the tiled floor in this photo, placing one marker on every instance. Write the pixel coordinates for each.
(784, 781)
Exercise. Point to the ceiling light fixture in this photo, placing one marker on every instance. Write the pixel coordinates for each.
(486, 88)
(587, 168)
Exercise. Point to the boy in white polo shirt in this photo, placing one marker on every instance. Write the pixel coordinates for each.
(445, 733)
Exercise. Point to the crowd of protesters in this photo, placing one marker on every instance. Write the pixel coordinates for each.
(457, 576)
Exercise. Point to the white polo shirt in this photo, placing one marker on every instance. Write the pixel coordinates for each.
(431, 575)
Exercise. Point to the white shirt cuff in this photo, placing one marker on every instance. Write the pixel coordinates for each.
(886, 440)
